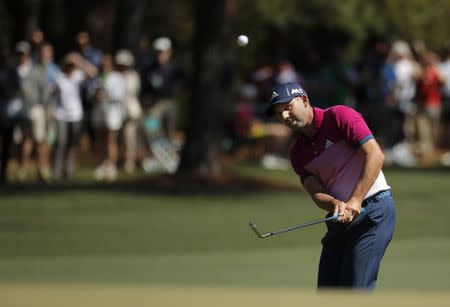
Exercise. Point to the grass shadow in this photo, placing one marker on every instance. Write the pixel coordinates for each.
(163, 184)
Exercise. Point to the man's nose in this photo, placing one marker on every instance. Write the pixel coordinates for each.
(285, 114)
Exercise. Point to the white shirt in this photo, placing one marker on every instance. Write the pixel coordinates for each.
(132, 85)
(404, 72)
(405, 85)
(444, 69)
(69, 107)
(133, 108)
(23, 70)
(115, 87)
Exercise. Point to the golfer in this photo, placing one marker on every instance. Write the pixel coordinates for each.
(339, 164)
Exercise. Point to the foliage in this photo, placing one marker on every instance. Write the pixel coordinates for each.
(315, 20)
(294, 24)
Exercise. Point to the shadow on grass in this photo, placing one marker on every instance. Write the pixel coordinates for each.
(163, 185)
(174, 185)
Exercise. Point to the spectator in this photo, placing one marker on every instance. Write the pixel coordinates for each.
(429, 106)
(444, 69)
(89, 86)
(34, 96)
(85, 48)
(407, 72)
(47, 61)
(10, 111)
(268, 139)
(375, 90)
(109, 106)
(386, 90)
(37, 40)
(144, 58)
(247, 132)
(287, 73)
(51, 71)
(132, 107)
(399, 149)
(263, 78)
(68, 111)
(159, 87)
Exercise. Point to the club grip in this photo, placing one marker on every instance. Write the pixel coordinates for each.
(336, 216)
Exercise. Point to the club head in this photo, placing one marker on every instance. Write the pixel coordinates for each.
(256, 231)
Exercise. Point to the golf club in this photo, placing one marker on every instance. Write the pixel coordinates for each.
(269, 234)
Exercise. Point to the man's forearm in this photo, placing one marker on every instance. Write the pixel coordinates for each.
(320, 194)
(325, 201)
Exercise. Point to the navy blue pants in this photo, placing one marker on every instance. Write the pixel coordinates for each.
(352, 253)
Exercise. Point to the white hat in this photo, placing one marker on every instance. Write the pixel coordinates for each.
(162, 44)
(124, 58)
(23, 47)
(401, 47)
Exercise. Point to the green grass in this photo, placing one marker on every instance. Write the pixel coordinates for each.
(79, 234)
(143, 295)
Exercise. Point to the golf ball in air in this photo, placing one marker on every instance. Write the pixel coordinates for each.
(242, 40)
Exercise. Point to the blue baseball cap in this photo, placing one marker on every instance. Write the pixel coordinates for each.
(283, 93)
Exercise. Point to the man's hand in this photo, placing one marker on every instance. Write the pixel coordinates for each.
(353, 208)
(340, 208)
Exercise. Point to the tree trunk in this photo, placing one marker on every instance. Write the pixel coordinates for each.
(210, 101)
(32, 16)
(24, 18)
(100, 21)
(130, 16)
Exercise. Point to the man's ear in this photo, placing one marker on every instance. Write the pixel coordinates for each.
(305, 100)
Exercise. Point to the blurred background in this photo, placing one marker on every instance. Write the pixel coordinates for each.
(134, 146)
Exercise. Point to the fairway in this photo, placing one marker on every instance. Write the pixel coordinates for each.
(166, 248)
(93, 295)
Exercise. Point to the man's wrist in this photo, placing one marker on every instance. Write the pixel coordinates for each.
(334, 205)
(355, 199)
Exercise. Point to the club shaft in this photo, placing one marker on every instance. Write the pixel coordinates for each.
(269, 234)
(331, 218)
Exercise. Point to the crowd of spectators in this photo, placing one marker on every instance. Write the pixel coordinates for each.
(46, 106)
(402, 89)
(123, 102)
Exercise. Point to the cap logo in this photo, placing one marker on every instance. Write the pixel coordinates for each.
(274, 95)
(296, 91)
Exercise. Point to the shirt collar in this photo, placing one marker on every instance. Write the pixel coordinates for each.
(317, 118)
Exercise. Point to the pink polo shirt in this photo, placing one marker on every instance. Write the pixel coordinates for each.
(332, 154)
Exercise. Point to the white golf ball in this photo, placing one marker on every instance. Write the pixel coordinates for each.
(242, 40)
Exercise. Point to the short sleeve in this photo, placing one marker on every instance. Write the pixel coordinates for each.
(351, 126)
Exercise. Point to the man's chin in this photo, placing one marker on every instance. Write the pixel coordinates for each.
(298, 126)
